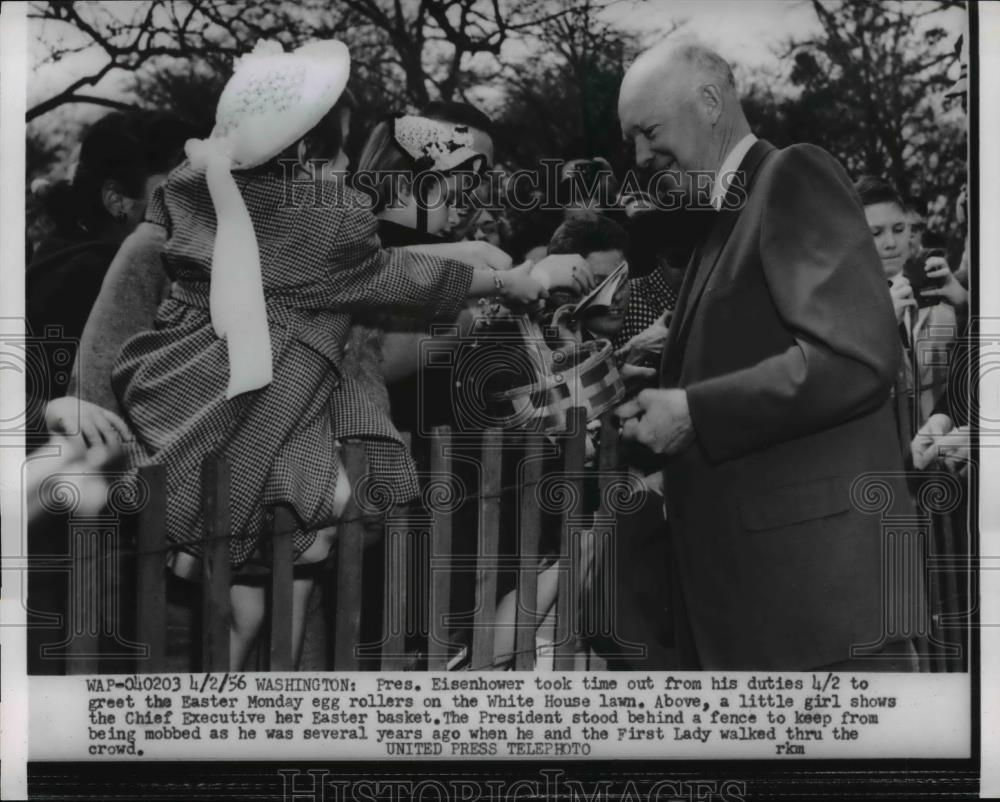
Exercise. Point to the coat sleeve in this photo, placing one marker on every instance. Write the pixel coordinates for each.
(824, 275)
(126, 305)
(365, 277)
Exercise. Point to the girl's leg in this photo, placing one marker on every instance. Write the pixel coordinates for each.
(320, 549)
(247, 614)
(306, 565)
(545, 597)
(248, 608)
(302, 587)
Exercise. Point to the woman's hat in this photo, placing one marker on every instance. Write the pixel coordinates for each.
(436, 145)
(273, 100)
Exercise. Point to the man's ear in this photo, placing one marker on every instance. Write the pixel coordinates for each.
(711, 100)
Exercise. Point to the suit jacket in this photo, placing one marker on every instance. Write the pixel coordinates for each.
(933, 335)
(785, 340)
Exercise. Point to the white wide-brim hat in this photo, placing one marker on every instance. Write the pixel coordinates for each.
(275, 98)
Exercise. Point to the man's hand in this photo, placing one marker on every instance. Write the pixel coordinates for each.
(635, 374)
(938, 439)
(902, 295)
(653, 483)
(648, 342)
(658, 419)
(955, 450)
(636, 203)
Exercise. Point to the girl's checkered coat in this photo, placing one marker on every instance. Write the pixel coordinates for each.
(321, 263)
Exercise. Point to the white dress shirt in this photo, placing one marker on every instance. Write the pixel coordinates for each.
(724, 176)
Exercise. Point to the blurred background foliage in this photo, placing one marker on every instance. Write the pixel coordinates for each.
(868, 86)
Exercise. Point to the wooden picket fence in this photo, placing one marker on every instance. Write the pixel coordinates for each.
(151, 548)
(143, 577)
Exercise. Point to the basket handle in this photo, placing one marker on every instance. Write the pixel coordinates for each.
(538, 351)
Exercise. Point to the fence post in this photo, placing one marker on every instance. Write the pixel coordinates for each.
(529, 533)
(94, 629)
(216, 573)
(151, 579)
(603, 600)
(397, 590)
(567, 600)
(281, 524)
(87, 544)
(440, 555)
(350, 547)
(484, 617)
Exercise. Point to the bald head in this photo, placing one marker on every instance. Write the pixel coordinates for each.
(678, 104)
(687, 62)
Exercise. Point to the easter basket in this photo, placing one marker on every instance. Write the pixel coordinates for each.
(575, 375)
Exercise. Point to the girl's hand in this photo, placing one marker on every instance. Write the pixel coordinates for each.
(565, 270)
(648, 342)
(902, 295)
(76, 418)
(518, 286)
(950, 290)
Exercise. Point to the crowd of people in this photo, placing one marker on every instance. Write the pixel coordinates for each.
(215, 314)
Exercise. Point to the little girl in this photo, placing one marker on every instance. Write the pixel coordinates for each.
(270, 255)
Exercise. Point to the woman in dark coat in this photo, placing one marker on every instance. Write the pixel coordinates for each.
(123, 157)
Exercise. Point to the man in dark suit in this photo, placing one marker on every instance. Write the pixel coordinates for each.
(774, 389)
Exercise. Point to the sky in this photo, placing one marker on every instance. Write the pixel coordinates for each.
(745, 32)
(742, 31)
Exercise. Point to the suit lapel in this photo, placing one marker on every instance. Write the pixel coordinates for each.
(706, 257)
(669, 347)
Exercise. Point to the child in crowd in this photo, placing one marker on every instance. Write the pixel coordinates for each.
(271, 255)
(413, 167)
(930, 305)
(603, 243)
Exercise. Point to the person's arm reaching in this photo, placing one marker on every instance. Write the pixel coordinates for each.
(130, 295)
(410, 283)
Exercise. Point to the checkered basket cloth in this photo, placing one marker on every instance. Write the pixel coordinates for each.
(579, 375)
